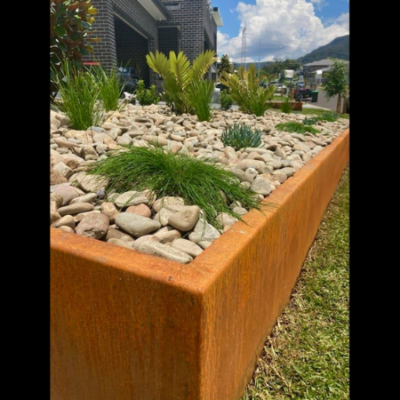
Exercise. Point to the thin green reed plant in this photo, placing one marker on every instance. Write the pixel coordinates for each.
(111, 88)
(79, 96)
(198, 182)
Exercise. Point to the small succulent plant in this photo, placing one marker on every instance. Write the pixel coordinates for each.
(310, 121)
(241, 136)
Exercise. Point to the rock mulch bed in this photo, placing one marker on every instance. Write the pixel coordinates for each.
(166, 227)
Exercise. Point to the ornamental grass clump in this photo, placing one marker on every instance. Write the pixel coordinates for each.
(286, 107)
(296, 127)
(80, 95)
(111, 88)
(241, 136)
(198, 182)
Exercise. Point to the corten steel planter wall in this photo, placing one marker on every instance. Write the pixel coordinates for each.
(129, 326)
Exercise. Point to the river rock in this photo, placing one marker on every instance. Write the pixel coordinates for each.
(110, 210)
(136, 225)
(122, 243)
(131, 198)
(187, 246)
(261, 186)
(94, 226)
(204, 231)
(166, 202)
(67, 220)
(185, 219)
(162, 250)
(76, 208)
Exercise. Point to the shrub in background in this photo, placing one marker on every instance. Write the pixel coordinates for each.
(71, 27)
(286, 107)
(178, 75)
(226, 100)
(146, 96)
(245, 90)
(328, 116)
(198, 182)
(241, 136)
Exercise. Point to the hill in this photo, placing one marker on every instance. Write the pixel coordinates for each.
(338, 48)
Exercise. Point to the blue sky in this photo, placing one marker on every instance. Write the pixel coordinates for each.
(279, 28)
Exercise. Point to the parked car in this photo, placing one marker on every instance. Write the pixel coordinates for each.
(130, 77)
(301, 94)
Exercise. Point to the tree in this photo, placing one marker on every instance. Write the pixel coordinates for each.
(337, 83)
(225, 65)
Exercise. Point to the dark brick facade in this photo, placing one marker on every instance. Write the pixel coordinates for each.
(189, 27)
(169, 39)
(131, 49)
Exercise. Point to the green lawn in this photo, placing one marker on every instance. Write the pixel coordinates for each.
(279, 98)
(308, 111)
(315, 111)
(307, 354)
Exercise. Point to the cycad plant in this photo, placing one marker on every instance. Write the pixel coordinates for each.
(245, 90)
(181, 78)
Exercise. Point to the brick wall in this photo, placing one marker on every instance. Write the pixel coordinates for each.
(105, 51)
(196, 28)
(190, 17)
(168, 39)
(136, 16)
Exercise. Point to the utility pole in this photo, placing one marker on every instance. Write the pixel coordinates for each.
(243, 53)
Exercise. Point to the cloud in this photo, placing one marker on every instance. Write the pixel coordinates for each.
(280, 29)
(320, 3)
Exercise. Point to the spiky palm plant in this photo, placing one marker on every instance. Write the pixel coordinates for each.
(178, 75)
(245, 90)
